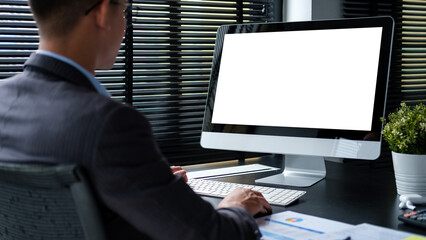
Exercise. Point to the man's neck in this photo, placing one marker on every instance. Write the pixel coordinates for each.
(70, 49)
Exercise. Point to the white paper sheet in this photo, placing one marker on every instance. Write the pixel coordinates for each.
(366, 231)
(290, 225)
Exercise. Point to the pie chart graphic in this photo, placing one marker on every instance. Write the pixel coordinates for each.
(294, 220)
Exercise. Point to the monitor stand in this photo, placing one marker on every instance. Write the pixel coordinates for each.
(299, 171)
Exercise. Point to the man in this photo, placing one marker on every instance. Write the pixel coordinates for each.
(56, 112)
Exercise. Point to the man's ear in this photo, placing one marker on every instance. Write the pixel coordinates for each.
(102, 15)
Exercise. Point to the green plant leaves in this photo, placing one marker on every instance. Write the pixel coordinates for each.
(405, 129)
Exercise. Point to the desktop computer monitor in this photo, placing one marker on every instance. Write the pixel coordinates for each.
(307, 90)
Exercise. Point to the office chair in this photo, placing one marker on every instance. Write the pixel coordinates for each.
(47, 202)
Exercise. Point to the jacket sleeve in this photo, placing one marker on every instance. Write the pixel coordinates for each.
(134, 180)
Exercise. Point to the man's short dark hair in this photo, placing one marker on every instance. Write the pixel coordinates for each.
(58, 17)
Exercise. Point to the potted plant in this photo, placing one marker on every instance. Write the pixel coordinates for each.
(405, 131)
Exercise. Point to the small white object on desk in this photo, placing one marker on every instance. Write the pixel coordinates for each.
(408, 201)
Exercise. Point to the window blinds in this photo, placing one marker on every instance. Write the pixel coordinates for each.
(18, 36)
(163, 67)
(413, 62)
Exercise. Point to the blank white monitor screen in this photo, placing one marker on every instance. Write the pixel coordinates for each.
(304, 79)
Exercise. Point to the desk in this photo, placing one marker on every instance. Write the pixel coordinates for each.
(349, 193)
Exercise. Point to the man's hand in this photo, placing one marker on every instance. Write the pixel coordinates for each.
(253, 201)
(177, 170)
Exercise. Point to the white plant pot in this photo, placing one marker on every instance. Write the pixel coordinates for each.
(410, 173)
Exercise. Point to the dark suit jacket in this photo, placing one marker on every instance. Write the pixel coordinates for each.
(51, 114)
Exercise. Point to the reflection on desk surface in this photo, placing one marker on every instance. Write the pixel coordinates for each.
(231, 171)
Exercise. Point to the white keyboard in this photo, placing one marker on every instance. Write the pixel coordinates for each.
(275, 196)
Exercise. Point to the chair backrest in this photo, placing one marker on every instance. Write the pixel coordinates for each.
(47, 202)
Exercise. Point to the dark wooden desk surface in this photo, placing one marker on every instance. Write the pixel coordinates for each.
(350, 194)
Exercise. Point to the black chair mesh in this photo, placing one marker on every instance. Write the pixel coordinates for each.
(36, 203)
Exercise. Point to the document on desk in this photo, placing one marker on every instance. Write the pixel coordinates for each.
(297, 226)
(291, 225)
(370, 232)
